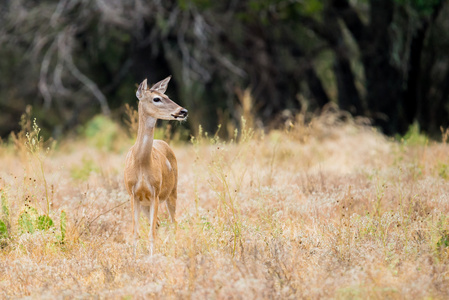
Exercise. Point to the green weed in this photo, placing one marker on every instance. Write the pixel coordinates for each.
(414, 136)
(35, 146)
(4, 218)
(82, 171)
(102, 133)
(443, 170)
(62, 226)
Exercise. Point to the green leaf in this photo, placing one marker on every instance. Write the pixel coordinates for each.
(5, 209)
(26, 221)
(3, 230)
(44, 222)
(444, 241)
(63, 225)
(312, 7)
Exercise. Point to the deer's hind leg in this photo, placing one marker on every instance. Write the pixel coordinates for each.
(171, 206)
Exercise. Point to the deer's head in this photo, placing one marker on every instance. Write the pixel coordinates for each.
(156, 104)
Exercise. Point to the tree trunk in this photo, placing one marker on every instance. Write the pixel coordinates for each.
(417, 103)
(411, 103)
(316, 88)
(348, 96)
(383, 81)
(384, 92)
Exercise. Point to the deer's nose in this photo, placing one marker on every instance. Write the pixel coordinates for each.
(184, 112)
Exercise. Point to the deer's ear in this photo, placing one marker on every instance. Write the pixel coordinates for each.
(161, 86)
(141, 90)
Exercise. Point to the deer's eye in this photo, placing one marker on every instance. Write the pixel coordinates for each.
(157, 99)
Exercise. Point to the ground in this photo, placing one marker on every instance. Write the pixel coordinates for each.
(327, 210)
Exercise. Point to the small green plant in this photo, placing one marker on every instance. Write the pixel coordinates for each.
(4, 218)
(83, 171)
(102, 133)
(62, 226)
(4, 215)
(44, 222)
(3, 230)
(35, 146)
(33, 218)
(27, 220)
(442, 233)
(30, 220)
(443, 242)
(414, 136)
(443, 170)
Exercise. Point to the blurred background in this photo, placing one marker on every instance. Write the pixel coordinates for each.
(386, 60)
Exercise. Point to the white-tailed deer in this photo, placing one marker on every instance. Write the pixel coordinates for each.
(151, 172)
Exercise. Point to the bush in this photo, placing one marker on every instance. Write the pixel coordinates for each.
(104, 134)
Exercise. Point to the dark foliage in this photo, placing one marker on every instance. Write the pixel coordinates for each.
(72, 59)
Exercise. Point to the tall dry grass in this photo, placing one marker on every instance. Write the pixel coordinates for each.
(327, 209)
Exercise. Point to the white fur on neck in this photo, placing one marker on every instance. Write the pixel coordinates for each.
(150, 122)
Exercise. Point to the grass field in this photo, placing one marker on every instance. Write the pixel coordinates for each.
(329, 210)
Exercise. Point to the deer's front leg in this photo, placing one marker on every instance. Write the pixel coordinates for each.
(152, 217)
(136, 214)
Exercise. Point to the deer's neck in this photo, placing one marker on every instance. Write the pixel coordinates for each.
(144, 141)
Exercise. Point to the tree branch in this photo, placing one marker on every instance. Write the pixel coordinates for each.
(89, 84)
(351, 19)
(65, 51)
(42, 85)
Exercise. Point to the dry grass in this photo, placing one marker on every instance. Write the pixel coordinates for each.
(331, 210)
